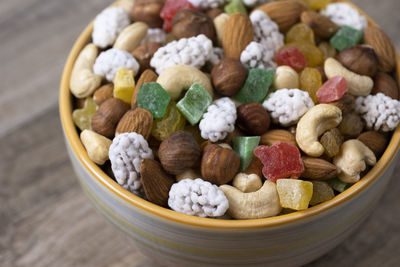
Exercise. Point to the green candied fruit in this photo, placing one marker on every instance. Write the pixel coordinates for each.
(83, 117)
(171, 122)
(338, 185)
(194, 103)
(244, 147)
(153, 98)
(346, 36)
(235, 6)
(256, 86)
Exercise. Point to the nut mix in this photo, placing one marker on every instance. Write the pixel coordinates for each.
(239, 108)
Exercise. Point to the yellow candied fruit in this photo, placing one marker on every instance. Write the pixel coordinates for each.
(312, 53)
(172, 121)
(327, 50)
(83, 117)
(124, 84)
(317, 4)
(300, 33)
(311, 81)
(294, 194)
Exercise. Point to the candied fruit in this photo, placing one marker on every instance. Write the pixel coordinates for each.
(292, 57)
(124, 84)
(311, 81)
(194, 103)
(281, 160)
(256, 86)
(300, 33)
(171, 7)
(345, 37)
(244, 147)
(154, 98)
(332, 90)
(83, 117)
(294, 194)
(312, 53)
(235, 6)
(171, 122)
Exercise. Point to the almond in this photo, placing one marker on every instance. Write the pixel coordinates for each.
(238, 34)
(146, 77)
(103, 93)
(278, 135)
(383, 47)
(156, 183)
(318, 169)
(323, 27)
(375, 141)
(284, 13)
(138, 120)
(385, 84)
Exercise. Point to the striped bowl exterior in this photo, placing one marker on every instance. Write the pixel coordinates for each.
(176, 239)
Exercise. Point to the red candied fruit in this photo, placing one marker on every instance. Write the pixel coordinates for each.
(281, 160)
(171, 7)
(292, 57)
(332, 90)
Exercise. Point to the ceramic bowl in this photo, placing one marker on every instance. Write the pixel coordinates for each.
(180, 240)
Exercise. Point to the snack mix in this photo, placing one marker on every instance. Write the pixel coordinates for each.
(235, 109)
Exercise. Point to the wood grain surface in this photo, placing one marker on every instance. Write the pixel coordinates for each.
(45, 218)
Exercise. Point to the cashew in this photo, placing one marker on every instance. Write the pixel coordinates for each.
(286, 77)
(175, 79)
(352, 160)
(247, 183)
(219, 24)
(96, 146)
(83, 81)
(126, 4)
(188, 174)
(225, 145)
(315, 122)
(358, 85)
(131, 36)
(260, 204)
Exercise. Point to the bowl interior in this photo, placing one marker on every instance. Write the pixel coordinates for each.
(73, 140)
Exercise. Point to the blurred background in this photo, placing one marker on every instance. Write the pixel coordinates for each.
(45, 219)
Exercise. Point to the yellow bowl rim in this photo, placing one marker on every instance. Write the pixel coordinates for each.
(73, 139)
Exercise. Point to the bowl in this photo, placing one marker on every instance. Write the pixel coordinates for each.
(176, 239)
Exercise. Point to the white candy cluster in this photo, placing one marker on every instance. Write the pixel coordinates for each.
(252, 3)
(255, 56)
(206, 4)
(219, 120)
(216, 56)
(194, 51)
(198, 198)
(266, 31)
(108, 24)
(157, 35)
(379, 111)
(343, 14)
(267, 41)
(126, 153)
(287, 106)
(108, 63)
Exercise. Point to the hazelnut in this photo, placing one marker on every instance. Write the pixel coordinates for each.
(385, 84)
(148, 11)
(219, 165)
(360, 58)
(253, 118)
(144, 53)
(214, 12)
(179, 152)
(346, 103)
(187, 23)
(108, 115)
(228, 76)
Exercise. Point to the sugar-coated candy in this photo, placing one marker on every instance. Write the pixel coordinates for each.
(332, 90)
(124, 84)
(83, 117)
(322, 192)
(300, 33)
(256, 86)
(346, 36)
(311, 81)
(294, 194)
(194, 103)
(281, 160)
(292, 57)
(235, 6)
(244, 147)
(154, 98)
(172, 121)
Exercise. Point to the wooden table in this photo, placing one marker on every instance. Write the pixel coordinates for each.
(45, 219)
